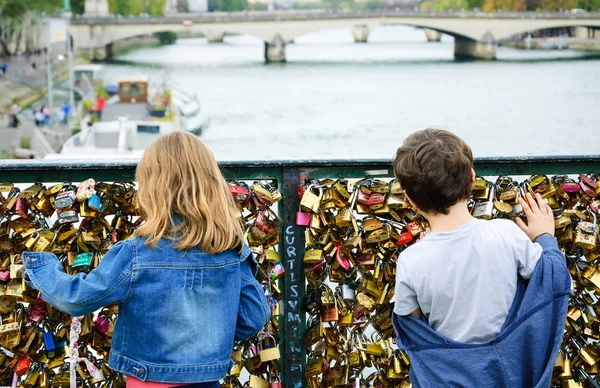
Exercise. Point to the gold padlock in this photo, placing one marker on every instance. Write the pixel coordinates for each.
(268, 349)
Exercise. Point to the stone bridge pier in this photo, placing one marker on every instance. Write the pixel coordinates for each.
(275, 50)
(361, 33)
(215, 36)
(465, 48)
(433, 35)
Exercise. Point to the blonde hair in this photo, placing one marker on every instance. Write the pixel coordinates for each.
(179, 176)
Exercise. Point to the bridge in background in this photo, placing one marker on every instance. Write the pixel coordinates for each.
(475, 33)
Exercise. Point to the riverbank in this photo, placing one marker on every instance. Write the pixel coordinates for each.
(27, 85)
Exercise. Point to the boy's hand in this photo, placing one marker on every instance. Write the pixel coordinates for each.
(539, 217)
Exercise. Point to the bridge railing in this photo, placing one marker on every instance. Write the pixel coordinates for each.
(287, 176)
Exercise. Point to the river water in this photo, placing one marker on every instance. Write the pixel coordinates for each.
(337, 99)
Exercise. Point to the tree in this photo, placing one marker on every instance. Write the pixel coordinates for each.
(227, 5)
(78, 7)
(505, 5)
(589, 5)
(12, 17)
(443, 5)
(119, 7)
(157, 7)
(555, 5)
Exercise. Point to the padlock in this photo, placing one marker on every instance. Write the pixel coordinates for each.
(67, 215)
(85, 190)
(239, 192)
(276, 271)
(21, 207)
(269, 349)
(330, 313)
(257, 382)
(49, 344)
(313, 256)
(275, 382)
(484, 208)
(64, 199)
(311, 200)
(102, 324)
(303, 218)
(16, 270)
(587, 234)
(94, 202)
(83, 260)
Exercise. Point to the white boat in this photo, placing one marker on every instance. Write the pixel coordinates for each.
(131, 120)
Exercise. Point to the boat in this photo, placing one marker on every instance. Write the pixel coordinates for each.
(132, 119)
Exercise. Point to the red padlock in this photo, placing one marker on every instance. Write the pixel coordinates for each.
(404, 239)
(570, 187)
(275, 382)
(21, 207)
(303, 218)
(240, 193)
(588, 181)
(344, 263)
(22, 365)
(372, 199)
(584, 187)
(102, 324)
(37, 312)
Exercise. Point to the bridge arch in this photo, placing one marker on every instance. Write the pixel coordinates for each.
(284, 27)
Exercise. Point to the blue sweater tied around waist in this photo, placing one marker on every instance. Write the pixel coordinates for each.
(523, 353)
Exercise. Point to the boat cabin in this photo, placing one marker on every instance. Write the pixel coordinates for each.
(133, 90)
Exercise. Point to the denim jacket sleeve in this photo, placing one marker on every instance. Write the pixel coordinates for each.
(254, 310)
(83, 293)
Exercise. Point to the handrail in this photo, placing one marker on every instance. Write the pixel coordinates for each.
(16, 165)
(288, 174)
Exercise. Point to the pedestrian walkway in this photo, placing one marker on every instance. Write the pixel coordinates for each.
(10, 137)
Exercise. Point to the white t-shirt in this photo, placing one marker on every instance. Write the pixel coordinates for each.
(465, 280)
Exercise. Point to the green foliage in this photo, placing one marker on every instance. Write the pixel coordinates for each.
(311, 5)
(443, 5)
(25, 142)
(156, 7)
(119, 7)
(166, 37)
(78, 7)
(589, 5)
(257, 7)
(227, 5)
(16, 8)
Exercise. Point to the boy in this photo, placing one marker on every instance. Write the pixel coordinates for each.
(462, 277)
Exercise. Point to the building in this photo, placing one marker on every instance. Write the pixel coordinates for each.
(198, 5)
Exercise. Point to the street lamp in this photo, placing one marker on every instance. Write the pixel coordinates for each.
(66, 6)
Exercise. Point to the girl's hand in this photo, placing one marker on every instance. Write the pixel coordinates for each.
(540, 219)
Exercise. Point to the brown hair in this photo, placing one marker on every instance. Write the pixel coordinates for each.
(433, 166)
(178, 176)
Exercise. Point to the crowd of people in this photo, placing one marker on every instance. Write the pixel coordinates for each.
(42, 115)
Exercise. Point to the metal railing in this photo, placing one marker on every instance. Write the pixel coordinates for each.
(288, 175)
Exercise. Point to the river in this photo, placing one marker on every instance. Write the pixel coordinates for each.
(337, 99)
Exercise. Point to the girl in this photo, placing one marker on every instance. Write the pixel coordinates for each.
(185, 282)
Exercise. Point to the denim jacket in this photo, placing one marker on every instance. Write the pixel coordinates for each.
(522, 355)
(179, 311)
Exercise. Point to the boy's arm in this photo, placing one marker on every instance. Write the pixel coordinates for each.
(254, 310)
(83, 293)
(405, 298)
